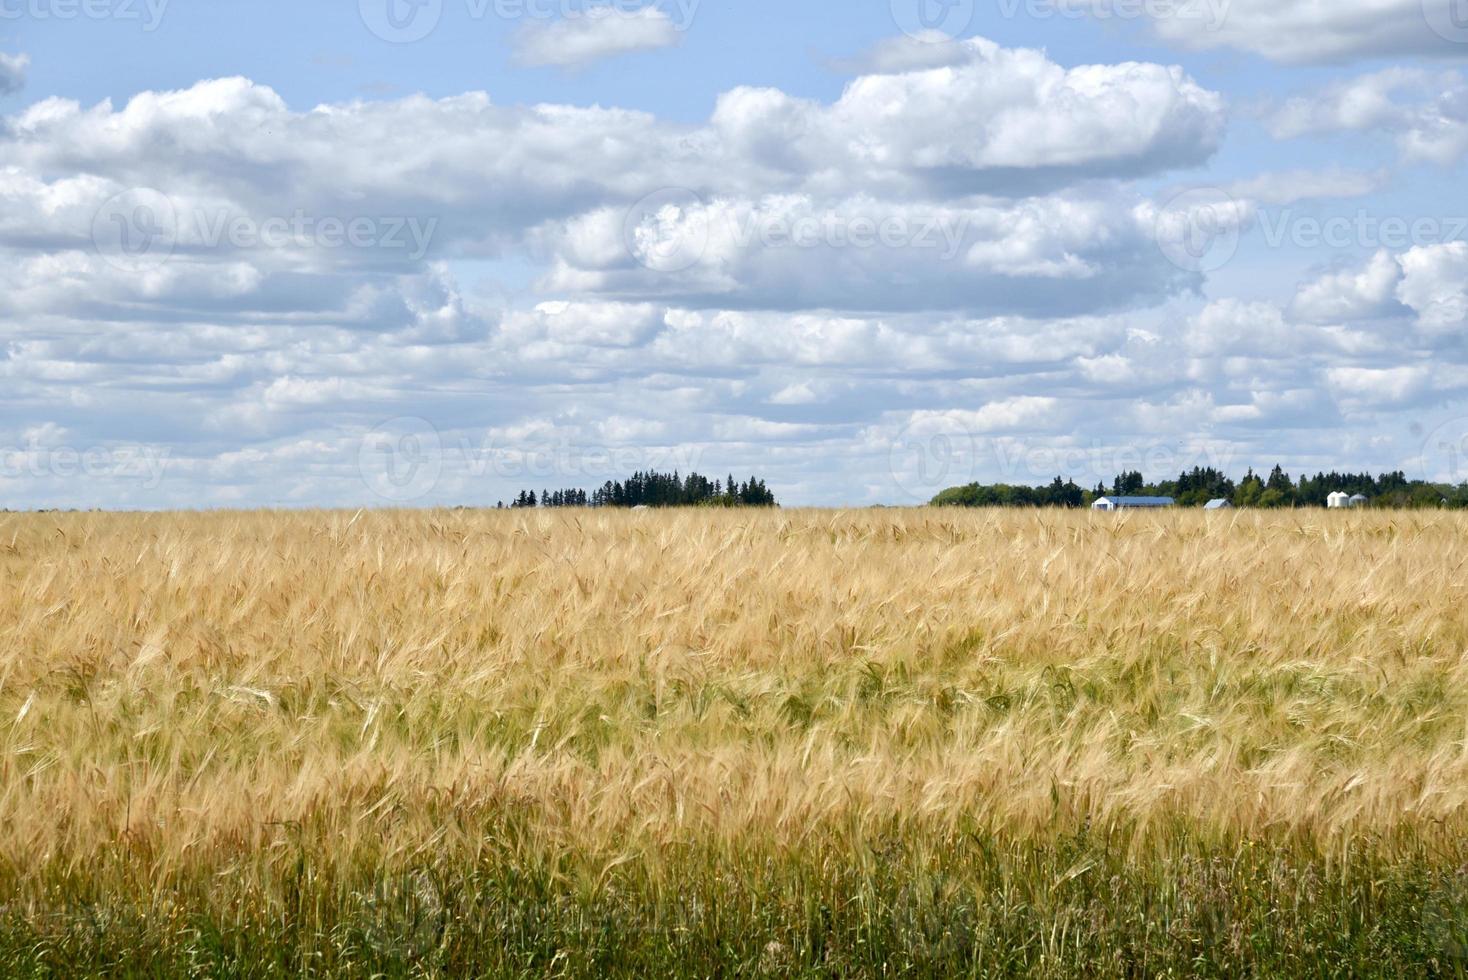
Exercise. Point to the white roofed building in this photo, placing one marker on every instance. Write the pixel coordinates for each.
(1132, 503)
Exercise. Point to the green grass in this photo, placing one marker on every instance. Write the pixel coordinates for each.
(899, 905)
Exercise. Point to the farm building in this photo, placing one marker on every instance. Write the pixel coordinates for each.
(1219, 504)
(1131, 503)
(1340, 500)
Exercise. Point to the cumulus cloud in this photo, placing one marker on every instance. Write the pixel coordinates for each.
(1351, 295)
(1425, 112)
(597, 33)
(1255, 330)
(1435, 285)
(958, 202)
(1059, 255)
(1427, 286)
(963, 237)
(1002, 122)
(623, 325)
(1359, 388)
(1042, 124)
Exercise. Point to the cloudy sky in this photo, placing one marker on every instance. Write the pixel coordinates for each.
(421, 252)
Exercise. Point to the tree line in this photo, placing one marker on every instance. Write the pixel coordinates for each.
(1200, 485)
(653, 489)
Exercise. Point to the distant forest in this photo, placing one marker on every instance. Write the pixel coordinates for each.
(654, 489)
(1198, 487)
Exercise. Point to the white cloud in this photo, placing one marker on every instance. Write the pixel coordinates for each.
(1350, 295)
(1435, 285)
(481, 177)
(999, 114)
(960, 238)
(1425, 112)
(594, 34)
(1229, 326)
(590, 324)
(1361, 388)
(801, 393)
(1055, 255)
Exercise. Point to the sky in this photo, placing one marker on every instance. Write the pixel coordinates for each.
(404, 253)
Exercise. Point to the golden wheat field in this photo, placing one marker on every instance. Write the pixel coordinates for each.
(726, 743)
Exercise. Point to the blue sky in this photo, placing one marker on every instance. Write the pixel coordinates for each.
(259, 255)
